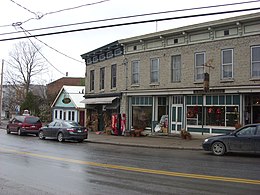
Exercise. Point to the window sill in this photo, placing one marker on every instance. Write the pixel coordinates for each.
(254, 79)
(154, 84)
(113, 89)
(198, 82)
(135, 85)
(227, 80)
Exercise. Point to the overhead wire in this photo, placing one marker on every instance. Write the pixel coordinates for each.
(137, 15)
(51, 46)
(39, 15)
(42, 54)
(131, 23)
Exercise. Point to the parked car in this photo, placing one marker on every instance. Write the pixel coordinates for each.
(24, 124)
(64, 130)
(245, 139)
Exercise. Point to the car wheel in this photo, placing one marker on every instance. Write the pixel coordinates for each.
(41, 135)
(81, 140)
(60, 137)
(19, 132)
(8, 130)
(218, 148)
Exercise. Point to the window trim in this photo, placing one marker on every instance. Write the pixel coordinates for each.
(102, 78)
(92, 80)
(175, 70)
(254, 77)
(137, 63)
(199, 67)
(227, 64)
(154, 71)
(113, 75)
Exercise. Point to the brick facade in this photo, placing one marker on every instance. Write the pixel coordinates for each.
(54, 87)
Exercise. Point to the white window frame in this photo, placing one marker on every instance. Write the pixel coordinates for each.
(95, 59)
(118, 52)
(135, 72)
(255, 64)
(176, 68)
(227, 64)
(154, 70)
(199, 68)
(109, 54)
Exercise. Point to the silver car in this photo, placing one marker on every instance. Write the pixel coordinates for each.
(64, 130)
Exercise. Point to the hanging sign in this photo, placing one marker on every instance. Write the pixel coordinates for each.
(66, 100)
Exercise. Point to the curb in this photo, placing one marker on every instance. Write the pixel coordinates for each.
(145, 146)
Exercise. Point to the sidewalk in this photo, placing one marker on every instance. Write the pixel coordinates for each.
(150, 141)
(173, 141)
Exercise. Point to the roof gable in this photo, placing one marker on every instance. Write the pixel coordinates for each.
(74, 93)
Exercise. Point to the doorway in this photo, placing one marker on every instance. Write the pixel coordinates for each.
(176, 118)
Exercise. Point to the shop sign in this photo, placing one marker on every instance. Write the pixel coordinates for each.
(66, 100)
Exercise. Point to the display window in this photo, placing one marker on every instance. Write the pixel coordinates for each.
(213, 114)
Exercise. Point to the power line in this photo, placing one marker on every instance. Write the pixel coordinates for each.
(23, 7)
(39, 15)
(43, 55)
(51, 46)
(131, 23)
(131, 16)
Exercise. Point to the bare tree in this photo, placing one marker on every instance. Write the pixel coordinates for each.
(25, 63)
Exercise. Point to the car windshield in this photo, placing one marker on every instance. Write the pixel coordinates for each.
(32, 120)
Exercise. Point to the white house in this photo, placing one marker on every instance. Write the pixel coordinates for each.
(67, 106)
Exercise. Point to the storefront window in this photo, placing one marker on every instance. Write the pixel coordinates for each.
(194, 115)
(142, 112)
(142, 117)
(215, 116)
(218, 111)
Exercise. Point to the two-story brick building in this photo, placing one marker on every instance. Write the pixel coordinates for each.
(163, 75)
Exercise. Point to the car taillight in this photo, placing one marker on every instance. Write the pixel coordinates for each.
(85, 130)
(70, 130)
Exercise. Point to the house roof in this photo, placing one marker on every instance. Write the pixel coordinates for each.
(75, 93)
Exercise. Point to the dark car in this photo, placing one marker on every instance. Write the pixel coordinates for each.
(24, 125)
(245, 139)
(64, 130)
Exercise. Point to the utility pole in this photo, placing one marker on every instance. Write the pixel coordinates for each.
(1, 93)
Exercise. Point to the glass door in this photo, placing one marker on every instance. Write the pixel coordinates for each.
(177, 118)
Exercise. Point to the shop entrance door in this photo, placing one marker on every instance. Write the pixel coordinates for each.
(176, 118)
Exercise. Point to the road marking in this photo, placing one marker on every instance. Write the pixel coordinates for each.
(140, 170)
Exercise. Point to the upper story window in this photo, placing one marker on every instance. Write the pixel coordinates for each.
(102, 78)
(109, 54)
(113, 76)
(227, 63)
(102, 57)
(199, 66)
(89, 61)
(92, 80)
(176, 68)
(155, 70)
(255, 62)
(95, 59)
(118, 51)
(135, 72)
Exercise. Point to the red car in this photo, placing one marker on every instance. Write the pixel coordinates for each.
(24, 124)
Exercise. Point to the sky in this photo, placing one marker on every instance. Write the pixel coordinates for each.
(25, 12)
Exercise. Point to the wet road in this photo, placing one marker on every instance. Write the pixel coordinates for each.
(32, 166)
